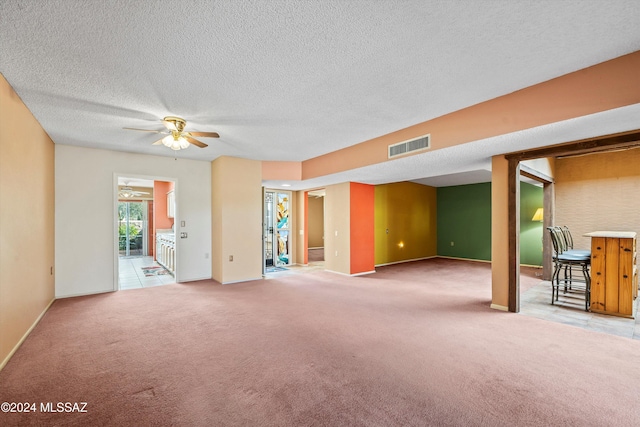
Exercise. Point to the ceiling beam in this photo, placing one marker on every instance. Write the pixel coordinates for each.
(618, 141)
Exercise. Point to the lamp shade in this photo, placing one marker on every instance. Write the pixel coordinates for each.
(538, 216)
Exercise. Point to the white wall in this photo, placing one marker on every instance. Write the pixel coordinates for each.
(85, 215)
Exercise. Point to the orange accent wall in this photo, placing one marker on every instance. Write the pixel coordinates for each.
(362, 228)
(602, 87)
(160, 190)
(160, 219)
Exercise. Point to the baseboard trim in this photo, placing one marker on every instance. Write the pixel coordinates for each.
(84, 294)
(364, 273)
(350, 275)
(499, 307)
(406, 260)
(193, 279)
(242, 281)
(464, 259)
(26, 334)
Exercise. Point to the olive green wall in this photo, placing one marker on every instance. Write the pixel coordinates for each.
(405, 222)
(464, 221)
(531, 198)
(464, 218)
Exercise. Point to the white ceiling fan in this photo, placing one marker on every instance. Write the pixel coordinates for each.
(177, 138)
(127, 192)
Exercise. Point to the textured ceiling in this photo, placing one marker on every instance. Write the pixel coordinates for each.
(291, 80)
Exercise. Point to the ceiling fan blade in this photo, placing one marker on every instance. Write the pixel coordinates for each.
(145, 130)
(205, 134)
(158, 142)
(169, 125)
(195, 142)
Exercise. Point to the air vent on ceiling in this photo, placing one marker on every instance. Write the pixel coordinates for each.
(415, 144)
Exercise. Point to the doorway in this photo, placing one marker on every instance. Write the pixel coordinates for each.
(277, 230)
(133, 229)
(145, 239)
(315, 225)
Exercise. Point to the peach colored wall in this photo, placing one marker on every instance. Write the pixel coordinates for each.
(160, 190)
(27, 225)
(337, 229)
(272, 170)
(316, 222)
(598, 192)
(595, 89)
(236, 211)
(499, 233)
(361, 229)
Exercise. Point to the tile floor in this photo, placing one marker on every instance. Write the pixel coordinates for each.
(536, 302)
(296, 269)
(131, 275)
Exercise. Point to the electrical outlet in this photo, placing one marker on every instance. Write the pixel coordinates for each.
(451, 243)
(183, 235)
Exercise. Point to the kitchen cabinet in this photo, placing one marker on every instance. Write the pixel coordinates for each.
(171, 204)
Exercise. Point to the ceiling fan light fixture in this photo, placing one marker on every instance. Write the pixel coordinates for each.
(177, 138)
(175, 142)
(167, 141)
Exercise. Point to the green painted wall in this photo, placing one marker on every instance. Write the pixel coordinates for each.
(404, 222)
(531, 198)
(464, 218)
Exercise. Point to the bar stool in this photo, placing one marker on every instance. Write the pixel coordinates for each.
(567, 261)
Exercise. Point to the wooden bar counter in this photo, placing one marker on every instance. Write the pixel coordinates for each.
(614, 276)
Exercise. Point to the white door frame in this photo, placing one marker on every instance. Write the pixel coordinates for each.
(116, 238)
